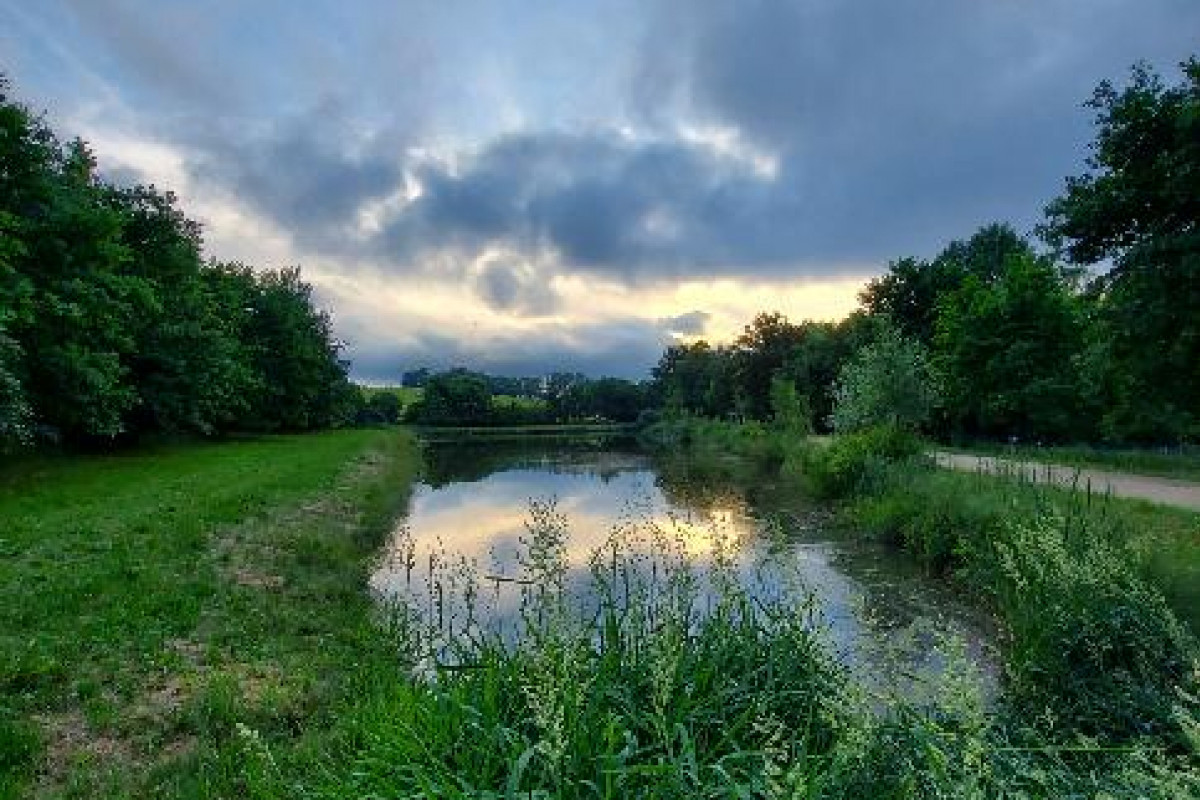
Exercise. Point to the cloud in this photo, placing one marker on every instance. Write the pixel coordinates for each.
(690, 324)
(311, 173)
(621, 348)
(554, 175)
(511, 284)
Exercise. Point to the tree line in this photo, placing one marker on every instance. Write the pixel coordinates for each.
(114, 325)
(464, 397)
(1094, 335)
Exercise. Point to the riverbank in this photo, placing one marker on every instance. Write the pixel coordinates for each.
(165, 611)
(195, 623)
(1091, 588)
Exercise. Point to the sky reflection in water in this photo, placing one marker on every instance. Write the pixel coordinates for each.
(879, 612)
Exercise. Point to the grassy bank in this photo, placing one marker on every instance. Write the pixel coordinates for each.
(657, 692)
(162, 607)
(1091, 590)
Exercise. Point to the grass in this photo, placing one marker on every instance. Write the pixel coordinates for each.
(648, 693)
(1173, 462)
(193, 622)
(159, 604)
(1093, 638)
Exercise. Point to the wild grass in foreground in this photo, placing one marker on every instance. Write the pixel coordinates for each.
(649, 692)
(155, 601)
(1095, 648)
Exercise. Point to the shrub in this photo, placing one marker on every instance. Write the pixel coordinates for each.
(887, 383)
(852, 463)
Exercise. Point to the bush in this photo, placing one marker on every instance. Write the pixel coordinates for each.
(853, 463)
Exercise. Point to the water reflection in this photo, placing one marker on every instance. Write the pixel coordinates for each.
(472, 518)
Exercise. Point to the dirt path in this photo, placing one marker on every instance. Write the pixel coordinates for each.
(1167, 491)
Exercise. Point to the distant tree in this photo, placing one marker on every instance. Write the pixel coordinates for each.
(1138, 207)
(888, 382)
(380, 408)
(1009, 353)
(616, 399)
(458, 397)
(695, 379)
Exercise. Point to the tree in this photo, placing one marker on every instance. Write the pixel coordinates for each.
(1138, 207)
(888, 382)
(1009, 353)
(910, 291)
(457, 397)
(695, 379)
(761, 350)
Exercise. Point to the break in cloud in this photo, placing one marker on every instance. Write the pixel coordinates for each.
(529, 186)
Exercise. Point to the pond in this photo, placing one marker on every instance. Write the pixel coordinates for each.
(465, 540)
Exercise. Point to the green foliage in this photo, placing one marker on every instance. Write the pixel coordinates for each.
(852, 462)
(887, 383)
(695, 379)
(1007, 352)
(758, 353)
(790, 409)
(1137, 208)
(912, 290)
(112, 326)
(457, 397)
(1095, 647)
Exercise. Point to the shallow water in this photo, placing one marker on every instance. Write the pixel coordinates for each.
(881, 614)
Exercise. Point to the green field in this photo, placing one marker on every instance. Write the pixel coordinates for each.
(406, 395)
(156, 601)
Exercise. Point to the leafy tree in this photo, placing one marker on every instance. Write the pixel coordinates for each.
(910, 291)
(111, 325)
(759, 352)
(1009, 352)
(458, 397)
(303, 379)
(695, 379)
(415, 378)
(1138, 207)
(888, 382)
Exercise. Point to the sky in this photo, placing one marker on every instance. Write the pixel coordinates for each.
(521, 186)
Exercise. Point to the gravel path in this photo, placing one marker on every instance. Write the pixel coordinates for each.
(1167, 491)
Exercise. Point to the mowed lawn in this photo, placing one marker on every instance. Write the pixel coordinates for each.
(164, 610)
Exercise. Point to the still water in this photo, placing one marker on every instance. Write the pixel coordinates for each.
(472, 516)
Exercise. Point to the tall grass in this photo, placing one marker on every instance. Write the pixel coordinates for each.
(1094, 649)
(674, 681)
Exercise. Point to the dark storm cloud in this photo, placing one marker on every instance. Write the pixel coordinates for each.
(155, 49)
(625, 349)
(309, 172)
(598, 201)
(514, 286)
(902, 124)
(894, 126)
